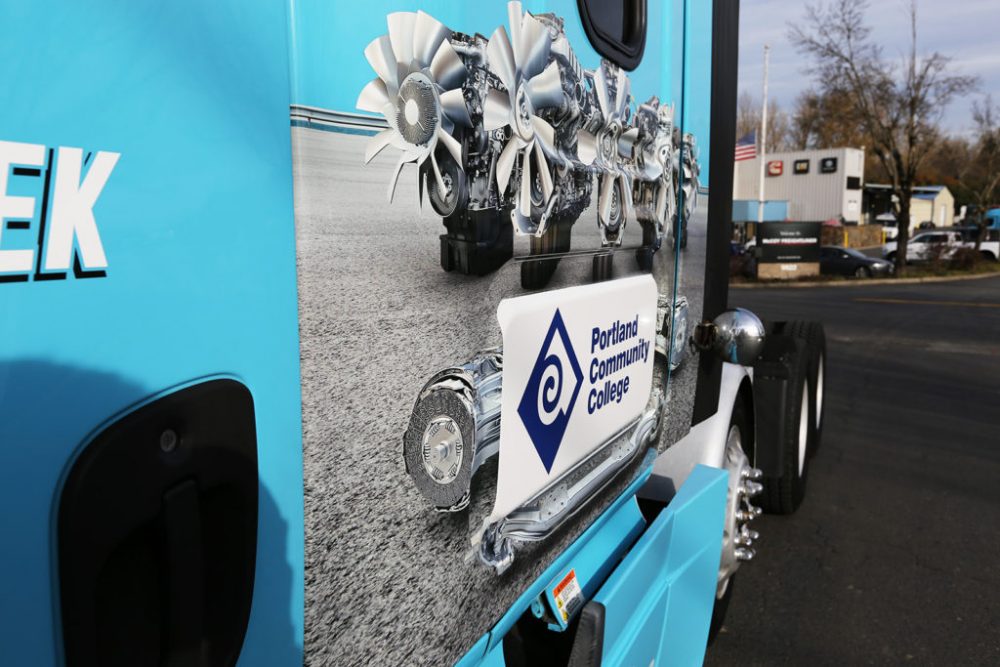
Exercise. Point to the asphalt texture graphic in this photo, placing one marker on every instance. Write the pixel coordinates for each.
(389, 580)
(893, 556)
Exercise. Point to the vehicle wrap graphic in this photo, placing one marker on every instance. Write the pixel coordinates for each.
(415, 390)
(551, 392)
(514, 129)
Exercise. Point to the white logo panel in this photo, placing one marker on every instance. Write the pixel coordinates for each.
(578, 368)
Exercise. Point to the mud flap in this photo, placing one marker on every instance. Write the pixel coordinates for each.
(770, 387)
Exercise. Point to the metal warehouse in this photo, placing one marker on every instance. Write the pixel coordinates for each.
(817, 184)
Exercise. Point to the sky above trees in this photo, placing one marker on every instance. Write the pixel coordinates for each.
(965, 30)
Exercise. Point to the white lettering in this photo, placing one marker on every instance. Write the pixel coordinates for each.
(73, 210)
(19, 208)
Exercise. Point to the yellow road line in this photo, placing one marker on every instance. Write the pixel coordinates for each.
(924, 302)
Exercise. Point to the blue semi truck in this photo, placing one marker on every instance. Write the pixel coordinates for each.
(391, 333)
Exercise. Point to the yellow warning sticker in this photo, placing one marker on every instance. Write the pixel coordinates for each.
(568, 596)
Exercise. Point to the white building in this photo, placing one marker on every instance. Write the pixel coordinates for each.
(817, 184)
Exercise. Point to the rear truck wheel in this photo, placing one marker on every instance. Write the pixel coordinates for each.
(862, 272)
(438, 448)
(737, 537)
(988, 256)
(784, 492)
(814, 336)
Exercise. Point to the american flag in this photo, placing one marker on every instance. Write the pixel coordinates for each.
(746, 147)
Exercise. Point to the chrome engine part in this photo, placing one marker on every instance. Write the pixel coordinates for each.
(512, 127)
(654, 194)
(453, 429)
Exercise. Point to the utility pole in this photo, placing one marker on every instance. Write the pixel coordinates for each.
(763, 142)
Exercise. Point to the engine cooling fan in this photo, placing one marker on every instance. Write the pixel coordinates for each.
(532, 83)
(608, 149)
(419, 92)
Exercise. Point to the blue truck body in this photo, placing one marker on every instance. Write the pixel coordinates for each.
(189, 104)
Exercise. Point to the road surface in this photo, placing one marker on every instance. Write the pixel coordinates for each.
(893, 556)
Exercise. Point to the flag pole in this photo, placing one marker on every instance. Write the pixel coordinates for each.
(763, 142)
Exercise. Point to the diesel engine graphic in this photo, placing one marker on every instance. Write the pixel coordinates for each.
(509, 133)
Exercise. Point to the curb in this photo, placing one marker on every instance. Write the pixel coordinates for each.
(862, 283)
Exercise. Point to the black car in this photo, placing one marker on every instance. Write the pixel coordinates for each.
(837, 261)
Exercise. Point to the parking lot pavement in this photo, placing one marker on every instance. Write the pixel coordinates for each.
(892, 557)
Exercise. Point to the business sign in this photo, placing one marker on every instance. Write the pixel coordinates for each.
(578, 369)
(789, 242)
(828, 165)
(801, 167)
(775, 168)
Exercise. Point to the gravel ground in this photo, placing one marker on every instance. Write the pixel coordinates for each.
(388, 580)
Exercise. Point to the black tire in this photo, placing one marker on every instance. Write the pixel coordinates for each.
(862, 272)
(988, 256)
(814, 336)
(719, 611)
(784, 494)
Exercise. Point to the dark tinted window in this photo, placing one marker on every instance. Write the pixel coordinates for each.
(853, 183)
(616, 28)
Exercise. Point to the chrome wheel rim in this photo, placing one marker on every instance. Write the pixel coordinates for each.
(443, 449)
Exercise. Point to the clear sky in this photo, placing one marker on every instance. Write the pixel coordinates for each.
(966, 30)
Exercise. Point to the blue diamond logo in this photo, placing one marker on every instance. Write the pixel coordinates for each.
(551, 392)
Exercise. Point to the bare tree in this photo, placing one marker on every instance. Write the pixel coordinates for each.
(982, 172)
(899, 105)
(748, 108)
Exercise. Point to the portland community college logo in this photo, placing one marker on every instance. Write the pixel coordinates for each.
(551, 392)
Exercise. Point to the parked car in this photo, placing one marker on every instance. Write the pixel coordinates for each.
(837, 261)
(741, 260)
(942, 244)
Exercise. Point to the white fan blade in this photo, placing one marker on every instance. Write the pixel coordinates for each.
(622, 89)
(505, 164)
(401, 36)
(544, 176)
(380, 57)
(496, 110)
(531, 49)
(428, 33)
(605, 197)
(515, 17)
(601, 88)
(377, 143)
(451, 144)
(626, 202)
(453, 105)
(373, 97)
(545, 90)
(437, 176)
(395, 177)
(586, 147)
(447, 68)
(501, 59)
(545, 134)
